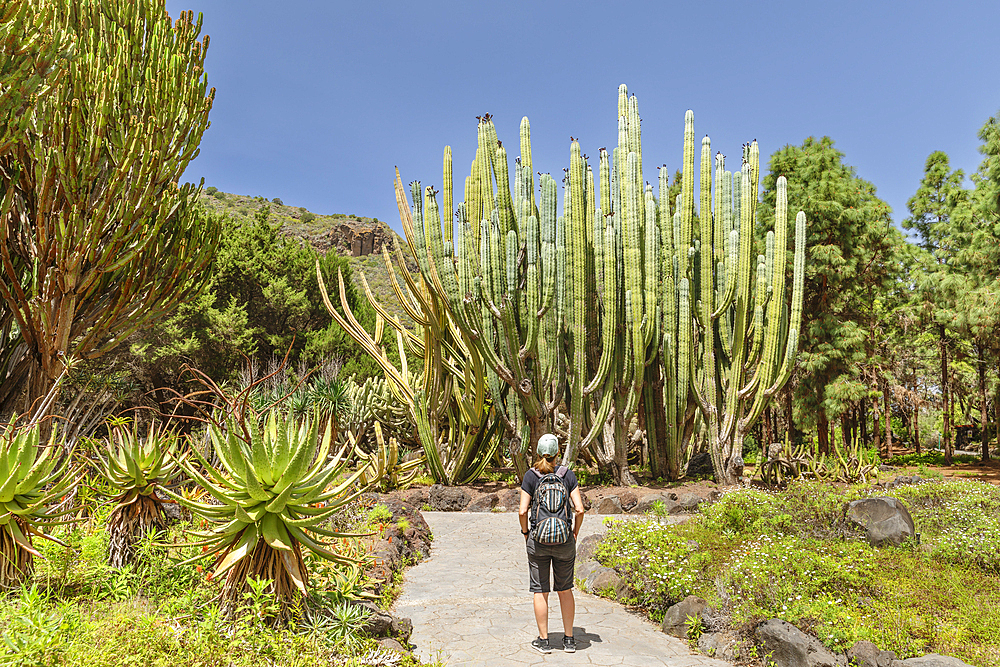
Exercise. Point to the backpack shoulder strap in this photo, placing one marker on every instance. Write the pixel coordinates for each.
(562, 470)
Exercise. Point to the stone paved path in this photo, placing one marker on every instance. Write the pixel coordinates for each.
(470, 605)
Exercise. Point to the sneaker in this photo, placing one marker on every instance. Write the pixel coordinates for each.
(569, 644)
(541, 645)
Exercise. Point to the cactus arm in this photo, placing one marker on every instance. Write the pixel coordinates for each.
(798, 289)
(447, 186)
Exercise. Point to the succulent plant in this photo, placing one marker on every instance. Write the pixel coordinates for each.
(383, 465)
(137, 467)
(275, 487)
(32, 477)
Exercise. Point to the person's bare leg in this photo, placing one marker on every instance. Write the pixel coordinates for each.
(567, 606)
(541, 604)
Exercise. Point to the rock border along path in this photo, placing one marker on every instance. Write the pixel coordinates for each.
(470, 605)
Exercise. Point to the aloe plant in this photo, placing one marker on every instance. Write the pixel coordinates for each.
(33, 476)
(137, 467)
(275, 486)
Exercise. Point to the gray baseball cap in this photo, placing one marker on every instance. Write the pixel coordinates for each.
(548, 445)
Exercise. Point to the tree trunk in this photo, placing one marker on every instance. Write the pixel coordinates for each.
(945, 402)
(823, 432)
(916, 428)
(768, 430)
(845, 429)
(863, 423)
(888, 420)
(984, 431)
(877, 425)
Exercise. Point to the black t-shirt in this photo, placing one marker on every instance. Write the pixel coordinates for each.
(531, 479)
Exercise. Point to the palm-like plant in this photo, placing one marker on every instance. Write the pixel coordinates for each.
(275, 487)
(31, 478)
(137, 468)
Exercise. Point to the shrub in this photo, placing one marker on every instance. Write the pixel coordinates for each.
(308, 216)
(211, 190)
(278, 201)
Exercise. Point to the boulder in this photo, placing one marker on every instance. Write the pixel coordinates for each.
(675, 620)
(700, 465)
(383, 624)
(603, 578)
(392, 645)
(930, 660)
(586, 547)
(885, 520)
(418, 497)
(510, 500)
(689, 501)
(718, 645)
(609, 505)
(627, 499)
(448, 498)
(646, 504)
(790, 647)
(866, 654)
(585, 568)
(586, 500)
(484, 503)
(171, 512)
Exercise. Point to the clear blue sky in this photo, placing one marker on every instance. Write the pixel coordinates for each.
(317, 101)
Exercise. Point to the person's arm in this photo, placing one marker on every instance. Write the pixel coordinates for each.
(522, 512)
(578, 508)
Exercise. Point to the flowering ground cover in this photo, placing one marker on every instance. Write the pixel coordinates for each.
(756, 554)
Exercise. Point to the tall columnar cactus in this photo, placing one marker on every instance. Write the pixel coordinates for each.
(448, 400)
(498, 275)
(547, 299)
(745, 334)
(612, 304)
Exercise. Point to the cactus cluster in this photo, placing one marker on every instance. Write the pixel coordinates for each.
(619, 307)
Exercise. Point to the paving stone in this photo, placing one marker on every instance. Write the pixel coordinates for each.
(470, 605)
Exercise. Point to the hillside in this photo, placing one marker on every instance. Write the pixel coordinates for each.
(358, 238)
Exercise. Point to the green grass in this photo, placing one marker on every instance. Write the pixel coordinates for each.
(756, 555)
(78, 611)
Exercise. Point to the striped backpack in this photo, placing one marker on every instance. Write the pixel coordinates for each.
(550, 509)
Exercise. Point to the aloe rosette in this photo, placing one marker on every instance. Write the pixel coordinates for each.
(137, 467)
(32, 478)
(275, 487)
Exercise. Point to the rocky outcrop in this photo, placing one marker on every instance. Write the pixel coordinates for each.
(609, 505)
(355, 238)
(406, 539)
(718, 645)
(646, 504)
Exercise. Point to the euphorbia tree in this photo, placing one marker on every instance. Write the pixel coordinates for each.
(97, 240)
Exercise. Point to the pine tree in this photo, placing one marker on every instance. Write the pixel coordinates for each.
(851, 263)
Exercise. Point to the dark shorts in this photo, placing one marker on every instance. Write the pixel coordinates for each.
(560, 558)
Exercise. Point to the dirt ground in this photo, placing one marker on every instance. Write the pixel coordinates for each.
(986, 472)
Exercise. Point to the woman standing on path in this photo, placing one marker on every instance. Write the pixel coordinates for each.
(549, 541)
